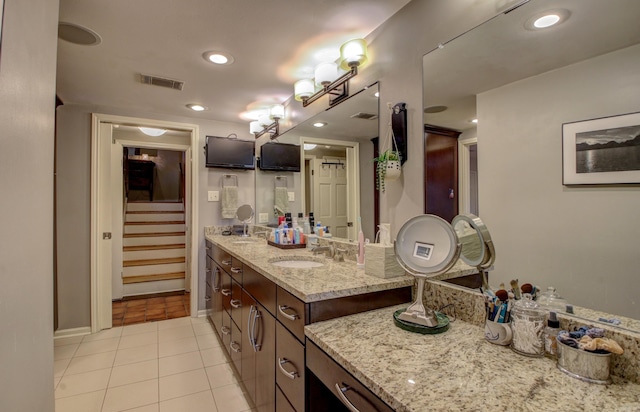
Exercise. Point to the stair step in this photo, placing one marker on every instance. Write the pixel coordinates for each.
(147, 262)
(147, 206)
(152, 278)
(154, 234)
(153, 247)
(155, 222)
(154, 212)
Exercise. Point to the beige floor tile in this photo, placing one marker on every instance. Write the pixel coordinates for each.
(137, 354)
(149, 408)
(213, 356)
(201, 401)
(230, 399)
(139, 339)
(133, 372)
(71, 340)
(65, 351)
(176, 347)
(60, 366)
(173, 323)
(179, 332)
(81, 364)
(87, 402)
(198, 320)
(182, 384)
(131, 396)
(98, 346)
(104, 334)
(208, 341)
(139, 328)
(171, 365)
(80, 383)
(202, 328)
(220, 375)
(56, 381)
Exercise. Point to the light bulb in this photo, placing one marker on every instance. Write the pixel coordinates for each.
(303, 88)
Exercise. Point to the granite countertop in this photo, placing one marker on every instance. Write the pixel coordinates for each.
(333, 280)
(457, 370)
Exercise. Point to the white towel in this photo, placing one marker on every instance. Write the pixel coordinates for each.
(229, 201)
(282, 199)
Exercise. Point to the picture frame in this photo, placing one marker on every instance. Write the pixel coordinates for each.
(602, 151)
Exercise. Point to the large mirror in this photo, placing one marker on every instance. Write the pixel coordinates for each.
(336, 177)
(522, 84)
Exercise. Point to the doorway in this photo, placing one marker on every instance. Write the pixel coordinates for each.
(108, 225)
(468, 199)
(441, 172)
(332, 187)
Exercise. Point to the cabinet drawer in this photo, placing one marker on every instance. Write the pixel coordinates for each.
(225, 290)
(282, 404)
(290, 367)
(235, 347)
(208, 247)
(236, 303)
(235, 270)
(344, 386)
(262, 289)
(222, 258)
(226, 331)
(291, 312)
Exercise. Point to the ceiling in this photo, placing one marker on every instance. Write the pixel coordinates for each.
(273, 43)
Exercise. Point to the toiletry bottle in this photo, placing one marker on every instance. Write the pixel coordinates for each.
(326, 232)
(306, 227)
(311, 222)
(550, 334)
(360, 246)
(319, 229)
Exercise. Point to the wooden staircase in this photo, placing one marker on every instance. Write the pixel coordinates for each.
(154, 258)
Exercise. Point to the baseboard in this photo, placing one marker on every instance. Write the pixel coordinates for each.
(203, 313)
(65, 333)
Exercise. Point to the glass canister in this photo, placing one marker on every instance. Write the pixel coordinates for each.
(527, 326)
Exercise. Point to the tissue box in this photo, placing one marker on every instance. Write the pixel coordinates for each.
(380, 261)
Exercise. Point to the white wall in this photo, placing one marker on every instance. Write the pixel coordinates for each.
(582, 240)
(27, 106)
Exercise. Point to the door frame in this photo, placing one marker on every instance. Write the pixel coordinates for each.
(353, 175)
(464, 174)
(101, 255)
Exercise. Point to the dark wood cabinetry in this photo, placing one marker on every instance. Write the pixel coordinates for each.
(139, 175)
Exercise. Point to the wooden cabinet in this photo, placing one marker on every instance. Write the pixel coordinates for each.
(290, 363)
(337, 381)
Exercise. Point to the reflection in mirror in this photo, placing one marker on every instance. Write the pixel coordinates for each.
(521, 85)
(477, 246)
(244, 214)
(336, 174)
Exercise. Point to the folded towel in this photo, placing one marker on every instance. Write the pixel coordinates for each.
(281, 201)
(229, 201)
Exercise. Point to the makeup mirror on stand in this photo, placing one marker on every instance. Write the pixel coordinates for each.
(477, 246)
(244, 214)
(426, 246)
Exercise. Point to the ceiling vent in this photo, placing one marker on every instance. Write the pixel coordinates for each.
(161, 81)
(365, 116)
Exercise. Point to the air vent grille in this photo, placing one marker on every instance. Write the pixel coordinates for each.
(363, 115)
(161, 81)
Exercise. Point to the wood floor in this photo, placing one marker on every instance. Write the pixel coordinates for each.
(131, 311)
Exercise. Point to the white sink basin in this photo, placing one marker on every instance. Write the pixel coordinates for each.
(297, 263)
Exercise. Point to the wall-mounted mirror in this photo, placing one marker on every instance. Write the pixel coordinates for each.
(336, 178)
(522, 84)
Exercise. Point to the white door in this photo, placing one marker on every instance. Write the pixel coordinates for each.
(330, 192)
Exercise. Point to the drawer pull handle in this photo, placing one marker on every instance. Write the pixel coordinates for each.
(282, 308)
(341, 390)
(207, 248)
(236, 270)
(290, 375)
(225, 330)
(226, 292)
(208, 270)
(235, 303)
(226, 262)
(207, 298)
(235, 347)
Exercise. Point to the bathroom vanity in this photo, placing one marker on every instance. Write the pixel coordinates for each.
(260, 309)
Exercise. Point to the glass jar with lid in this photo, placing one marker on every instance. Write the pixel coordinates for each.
(527, 325)
(552, 301)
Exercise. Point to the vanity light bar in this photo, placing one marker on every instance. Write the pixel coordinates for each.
(338, 90)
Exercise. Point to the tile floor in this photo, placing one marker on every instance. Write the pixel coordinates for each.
(174, 365)
(129, 312)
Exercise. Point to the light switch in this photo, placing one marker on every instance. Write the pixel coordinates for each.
(263, 218)
(292, 196)
(213, 196)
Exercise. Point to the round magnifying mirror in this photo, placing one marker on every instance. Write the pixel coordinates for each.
(477, 246)
(244, 214)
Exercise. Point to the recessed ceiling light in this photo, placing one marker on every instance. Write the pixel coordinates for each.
(435, 109)
(196, 107)
(76, 34)
(319, 124)
(547, 19)
(377, 94)
(309, 146)
(151, 131)
(474, 121)
(218, 57)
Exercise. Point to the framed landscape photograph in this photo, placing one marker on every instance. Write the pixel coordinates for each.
(601, 151)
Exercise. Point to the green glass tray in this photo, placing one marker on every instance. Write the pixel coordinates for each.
(443, 324)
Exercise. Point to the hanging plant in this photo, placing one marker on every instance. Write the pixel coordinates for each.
(388, 163)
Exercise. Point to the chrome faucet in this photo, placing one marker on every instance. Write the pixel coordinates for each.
(329, 250)
(264, 233)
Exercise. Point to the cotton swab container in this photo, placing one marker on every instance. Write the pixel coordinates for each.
(527, 326)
